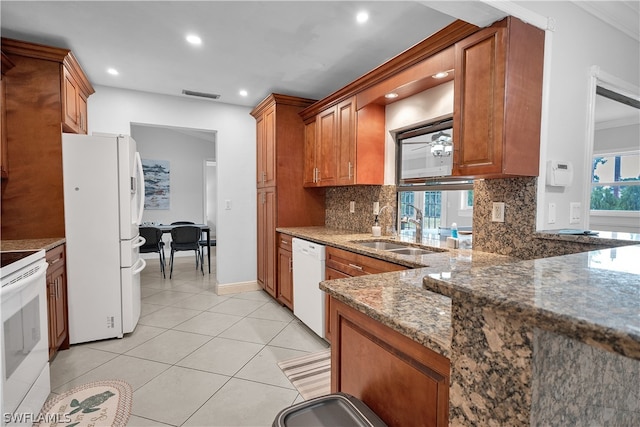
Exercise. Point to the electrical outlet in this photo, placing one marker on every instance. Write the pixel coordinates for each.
(497, 212)
(352, 206)
(574, 212)
(552, 213)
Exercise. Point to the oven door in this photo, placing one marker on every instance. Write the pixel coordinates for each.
(24, 335)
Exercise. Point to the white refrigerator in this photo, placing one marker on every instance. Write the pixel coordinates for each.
(103, 204)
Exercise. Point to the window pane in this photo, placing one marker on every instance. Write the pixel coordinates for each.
(616, 198)
(616, 168)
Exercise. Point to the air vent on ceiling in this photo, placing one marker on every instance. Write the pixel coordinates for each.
(201, 94)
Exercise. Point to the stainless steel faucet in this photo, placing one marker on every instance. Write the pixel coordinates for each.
(417, 222)
(393, 218)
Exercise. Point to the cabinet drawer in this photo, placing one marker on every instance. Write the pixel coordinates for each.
(284, 241)
(353, 264)
(55, 257)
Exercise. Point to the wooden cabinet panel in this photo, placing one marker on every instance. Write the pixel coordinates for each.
(57, 300)
(348, 146)
(266, 240)
(352, 264)
(498, 101)
(326, 147)
(36, 107)
(403, 382)
(346, 142)
(266, 156)
(309, 174)
(285, 271)
(7, 64)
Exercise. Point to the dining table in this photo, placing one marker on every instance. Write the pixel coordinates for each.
(166, 228)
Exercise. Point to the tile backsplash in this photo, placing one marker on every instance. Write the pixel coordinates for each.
(337, 207)
(515, 237)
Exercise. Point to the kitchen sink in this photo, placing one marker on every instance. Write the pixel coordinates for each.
(385, 246)
(400, 248)
(410, 251)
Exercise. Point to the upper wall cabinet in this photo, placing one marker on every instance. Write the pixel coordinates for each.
(45, 94)
(74, 101)
(498, 101)
(345, 146)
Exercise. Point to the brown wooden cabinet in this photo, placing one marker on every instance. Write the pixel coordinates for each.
(402, 381)
(282, 201)
(340, 264)
(74, 103)
(266, 138)
(347, 147)
(7, 64)
(57, 300)
(498, 101)
(36, 115)
(266, 240)
(285, 270)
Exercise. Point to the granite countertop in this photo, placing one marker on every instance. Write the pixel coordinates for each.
(605, 238)
(31, 244)
(399, 299)
(593, 297)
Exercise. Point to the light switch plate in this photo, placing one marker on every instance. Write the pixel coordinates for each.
(227, 204)
(552, 213)
(352, 206)
(574, 212)
(497, 212)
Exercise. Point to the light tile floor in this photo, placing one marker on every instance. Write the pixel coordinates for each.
(196, 358)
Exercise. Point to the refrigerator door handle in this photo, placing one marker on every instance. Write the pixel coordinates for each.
(137, 269)
(141, 189)
(141, 241)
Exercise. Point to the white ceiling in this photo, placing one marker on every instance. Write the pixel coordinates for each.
(301, 48)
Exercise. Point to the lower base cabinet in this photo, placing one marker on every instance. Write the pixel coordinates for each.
(57, 300)
(285, 271)
(403, 382)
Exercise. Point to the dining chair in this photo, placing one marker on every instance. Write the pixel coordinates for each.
(186, 238)
(154, 243)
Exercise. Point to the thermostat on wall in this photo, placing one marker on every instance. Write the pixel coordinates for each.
(559, 174)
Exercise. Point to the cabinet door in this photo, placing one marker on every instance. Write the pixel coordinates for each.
(70, 107)
(330, 274)
(346, 142)
(266, 240)
(266, 148)
(326, 123)
(309, 175)
(57, 300)
(82, 113)
(479, 103)
(285, 277)
(4, 170)
(403, 382)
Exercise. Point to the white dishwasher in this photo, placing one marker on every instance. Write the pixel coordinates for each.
(308, 272)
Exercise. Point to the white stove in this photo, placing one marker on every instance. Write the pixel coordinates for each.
(24, 336)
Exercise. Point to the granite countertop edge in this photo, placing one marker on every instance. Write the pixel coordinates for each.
(46, 243)
(602, 238)
(429, 326)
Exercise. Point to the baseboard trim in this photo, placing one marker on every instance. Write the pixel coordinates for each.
(232, 288)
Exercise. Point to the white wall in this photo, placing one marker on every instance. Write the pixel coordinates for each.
(113, 110)
(185, 154)
(577, 42)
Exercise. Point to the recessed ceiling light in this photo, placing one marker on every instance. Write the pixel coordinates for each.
(440, 75)
(243, 92)
(362, 17)
(391, 95)
(194, 40)
(112, 71)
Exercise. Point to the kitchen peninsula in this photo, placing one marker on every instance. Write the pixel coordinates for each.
(539, 342)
